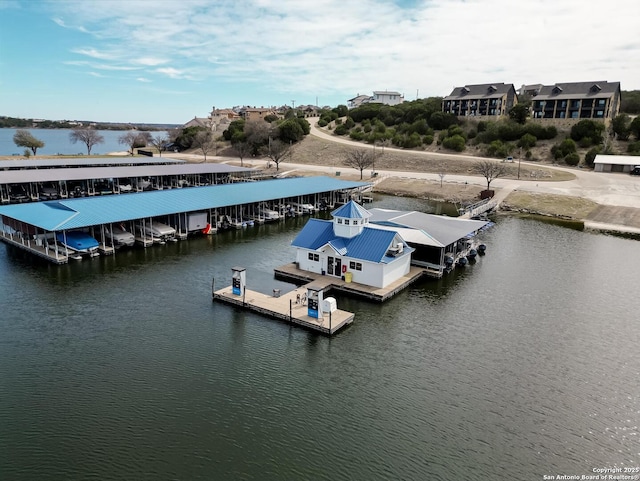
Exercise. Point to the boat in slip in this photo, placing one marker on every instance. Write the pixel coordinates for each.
(157, 231)
(119, 237)
(79, 243)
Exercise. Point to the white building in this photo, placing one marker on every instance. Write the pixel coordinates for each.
(349, 247)
(379, 97)
(615, 163)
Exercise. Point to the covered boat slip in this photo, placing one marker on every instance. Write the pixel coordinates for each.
(434, 237)
(60, 183)
(61, 162)
(32, 226)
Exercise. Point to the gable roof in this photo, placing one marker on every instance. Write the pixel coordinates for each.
(488, 91)
(87, 211)
(445, 230)
(370, 245)
(593, 89)
(351, 210)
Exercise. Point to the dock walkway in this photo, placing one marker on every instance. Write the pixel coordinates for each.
(287, 307)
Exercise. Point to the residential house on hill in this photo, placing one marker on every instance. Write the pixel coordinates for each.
(198, 122)
(597, 100)
(483, 100)
(221, 118)
(379, 97)
(253, 113)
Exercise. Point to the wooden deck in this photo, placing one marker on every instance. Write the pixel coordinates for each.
(290, 272)
(286, 307)
(30, 246)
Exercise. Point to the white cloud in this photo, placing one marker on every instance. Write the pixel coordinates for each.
(142, 79)
(349, 47)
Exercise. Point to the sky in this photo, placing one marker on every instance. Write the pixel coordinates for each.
(168, 61)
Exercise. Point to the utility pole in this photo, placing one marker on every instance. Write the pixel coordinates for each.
(293, 104)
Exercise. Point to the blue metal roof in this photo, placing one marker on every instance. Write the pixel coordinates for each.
(88, 211)
(351, 210)
(370, 245)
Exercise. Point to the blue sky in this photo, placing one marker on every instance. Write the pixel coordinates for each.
(166, 61)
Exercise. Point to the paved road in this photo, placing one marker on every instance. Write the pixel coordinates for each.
(603, 188)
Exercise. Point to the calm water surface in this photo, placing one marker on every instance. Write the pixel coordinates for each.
(56, 141)
(522, 365)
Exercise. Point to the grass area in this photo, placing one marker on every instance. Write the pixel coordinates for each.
(550, 204)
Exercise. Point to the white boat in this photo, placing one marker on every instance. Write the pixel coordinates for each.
(119, 237)
(268, 214)
(157, 231)
(303, 208)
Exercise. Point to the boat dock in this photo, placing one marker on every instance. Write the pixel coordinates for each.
(290, 272)
(290, 307)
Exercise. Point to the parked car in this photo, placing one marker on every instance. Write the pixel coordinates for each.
(635, 170)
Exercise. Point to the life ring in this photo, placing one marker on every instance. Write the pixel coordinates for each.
(344, 268)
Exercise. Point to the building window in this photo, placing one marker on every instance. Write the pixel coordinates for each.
(314, 257)
(339, 221)
(310, 256)
(346, 222)
(352, 265)
(358, 266)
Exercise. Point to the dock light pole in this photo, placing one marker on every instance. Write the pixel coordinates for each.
(519, 159)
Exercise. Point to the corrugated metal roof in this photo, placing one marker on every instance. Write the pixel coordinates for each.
(617, 159)
(88, 211)
(85, 162)
(351, 210)
(114, 172)
(446, 230)
(370, 245)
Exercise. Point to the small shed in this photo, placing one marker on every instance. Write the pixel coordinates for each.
(615, 163)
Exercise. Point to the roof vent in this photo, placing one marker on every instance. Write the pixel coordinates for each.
(492, 88)
(596, 88)
(557, 89)
(465, 90)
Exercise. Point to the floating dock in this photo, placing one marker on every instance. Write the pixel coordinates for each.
(290, 272)
(290, 307)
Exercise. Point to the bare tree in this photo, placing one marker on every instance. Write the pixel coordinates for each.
(242, 149)
(490, 170)
(276, 151)
(134, 139)
(359, 159)
(204, 141)
(160, 142)
(441, 175)
(87, 136)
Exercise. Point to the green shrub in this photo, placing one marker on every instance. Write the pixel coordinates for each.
(634, 147)
(527, 141)
(572, 159)
(427, 139)
(338, 121)
(349, 123)
(341, 129)
(564, 148)
(356, 135)
(322, 123)
(498, 149)
(590, 156)
(455, 142)
(588, 128)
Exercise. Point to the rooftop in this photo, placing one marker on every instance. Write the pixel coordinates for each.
(89, 211)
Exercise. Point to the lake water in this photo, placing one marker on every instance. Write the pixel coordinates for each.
(56, 141)
(522, 365)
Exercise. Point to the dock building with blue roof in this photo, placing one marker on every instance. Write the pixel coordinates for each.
(349, 247)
